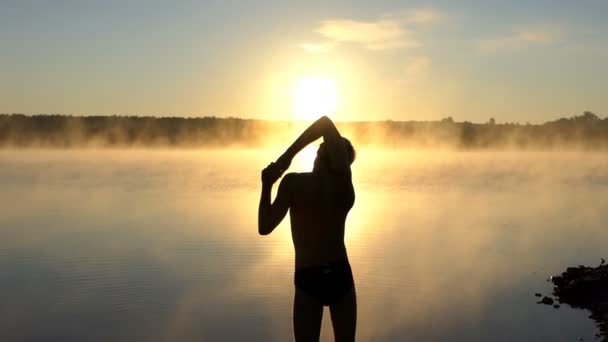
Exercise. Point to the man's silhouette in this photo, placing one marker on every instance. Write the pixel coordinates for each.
(318, 203)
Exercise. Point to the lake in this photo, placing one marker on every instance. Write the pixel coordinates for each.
(162, 245)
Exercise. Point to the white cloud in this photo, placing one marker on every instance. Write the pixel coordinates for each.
(522, 38)
(391, 31)
(374, 35)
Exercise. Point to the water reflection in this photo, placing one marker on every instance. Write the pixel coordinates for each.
(140, 245)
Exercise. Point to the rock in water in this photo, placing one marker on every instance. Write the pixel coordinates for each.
(547, 300)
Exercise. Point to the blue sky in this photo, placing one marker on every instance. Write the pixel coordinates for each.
(401, 60)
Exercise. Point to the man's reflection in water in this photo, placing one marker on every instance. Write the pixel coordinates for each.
(318, 203)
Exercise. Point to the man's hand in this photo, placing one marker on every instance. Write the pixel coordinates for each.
(271, 173)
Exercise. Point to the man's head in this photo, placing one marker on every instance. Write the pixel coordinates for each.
(322, 159)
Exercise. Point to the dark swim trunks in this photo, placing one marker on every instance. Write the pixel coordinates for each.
(328, 283)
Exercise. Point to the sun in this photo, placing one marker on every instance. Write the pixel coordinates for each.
(313, 97)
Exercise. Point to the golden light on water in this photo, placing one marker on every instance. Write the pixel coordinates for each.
(313, 97)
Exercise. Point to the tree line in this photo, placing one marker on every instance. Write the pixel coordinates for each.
(585, 131)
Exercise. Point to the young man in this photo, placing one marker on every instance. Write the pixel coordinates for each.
(318, 202)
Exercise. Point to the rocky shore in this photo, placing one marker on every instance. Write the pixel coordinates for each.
(586, 288)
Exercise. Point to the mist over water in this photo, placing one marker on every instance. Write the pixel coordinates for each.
(579, 132)
(163, 245)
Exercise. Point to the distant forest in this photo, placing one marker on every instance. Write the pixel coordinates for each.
(586, 131)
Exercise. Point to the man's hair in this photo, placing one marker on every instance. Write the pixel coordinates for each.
(352, 153)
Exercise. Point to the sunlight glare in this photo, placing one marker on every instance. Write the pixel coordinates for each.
(305, 159)
(313, 97)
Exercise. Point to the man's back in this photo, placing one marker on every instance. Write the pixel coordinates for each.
(320, 202)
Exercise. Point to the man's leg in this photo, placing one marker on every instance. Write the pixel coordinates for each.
(307, 316)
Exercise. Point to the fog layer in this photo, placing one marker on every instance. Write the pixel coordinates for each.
(586, 131)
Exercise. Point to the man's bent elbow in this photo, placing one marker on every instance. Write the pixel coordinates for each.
(325, 120)
(264, 230)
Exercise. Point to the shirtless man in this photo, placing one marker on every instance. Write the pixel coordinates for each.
(318, 203)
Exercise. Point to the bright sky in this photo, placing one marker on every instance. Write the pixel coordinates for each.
(361, 60)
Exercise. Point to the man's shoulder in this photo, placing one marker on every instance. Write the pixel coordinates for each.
(295, 179)
(297, 176)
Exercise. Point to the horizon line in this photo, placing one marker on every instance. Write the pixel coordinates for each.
(444, 119)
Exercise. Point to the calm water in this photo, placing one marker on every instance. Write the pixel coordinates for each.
(163, 245)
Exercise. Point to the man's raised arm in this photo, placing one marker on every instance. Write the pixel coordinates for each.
(336, 147)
